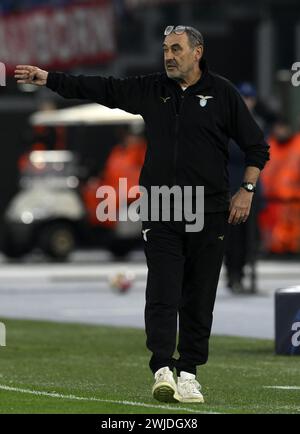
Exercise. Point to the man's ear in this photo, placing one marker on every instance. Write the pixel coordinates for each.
(198, 53)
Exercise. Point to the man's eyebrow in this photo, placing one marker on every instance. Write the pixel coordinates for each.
(173, 45)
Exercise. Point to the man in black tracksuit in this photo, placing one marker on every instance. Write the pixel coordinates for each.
(190, 114)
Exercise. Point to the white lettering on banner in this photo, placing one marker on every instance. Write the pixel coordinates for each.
(61, 27)
(2, 74)
(40, 26)
(78, 21)
(21, 41)
(58, 37)
(296, 336)
(105, 37)
(8, 42)
(3, 48)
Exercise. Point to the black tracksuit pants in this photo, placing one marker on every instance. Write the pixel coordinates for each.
(183, 274)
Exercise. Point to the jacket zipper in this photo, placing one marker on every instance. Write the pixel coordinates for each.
(176, 138)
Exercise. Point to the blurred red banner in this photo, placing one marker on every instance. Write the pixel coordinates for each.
(58, 37)
(140, 3)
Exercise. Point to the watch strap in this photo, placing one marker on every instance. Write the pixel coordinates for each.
(249, 186)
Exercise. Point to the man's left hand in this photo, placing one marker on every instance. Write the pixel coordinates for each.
(240, 206)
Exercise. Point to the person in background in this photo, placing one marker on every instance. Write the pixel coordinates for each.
(124, 161)
(41, 137)
(280, 220)
(241, 248)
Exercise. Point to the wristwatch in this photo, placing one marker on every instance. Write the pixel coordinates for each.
(249, 186)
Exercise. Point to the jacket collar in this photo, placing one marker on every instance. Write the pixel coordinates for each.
(204, 82)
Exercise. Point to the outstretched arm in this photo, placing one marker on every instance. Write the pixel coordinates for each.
(126, 94)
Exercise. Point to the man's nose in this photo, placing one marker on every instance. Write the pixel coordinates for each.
(168, 57)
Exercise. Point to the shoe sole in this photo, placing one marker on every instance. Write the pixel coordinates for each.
(191, 400)
(164, 392)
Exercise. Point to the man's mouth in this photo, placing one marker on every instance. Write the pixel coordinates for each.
(171, 66)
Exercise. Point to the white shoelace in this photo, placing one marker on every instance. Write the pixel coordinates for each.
(191, 385)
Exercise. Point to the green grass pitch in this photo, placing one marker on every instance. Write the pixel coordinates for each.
(50, 367)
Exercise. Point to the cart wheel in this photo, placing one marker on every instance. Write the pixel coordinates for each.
(57, 241)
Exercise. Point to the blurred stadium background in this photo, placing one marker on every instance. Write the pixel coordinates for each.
(58, 263)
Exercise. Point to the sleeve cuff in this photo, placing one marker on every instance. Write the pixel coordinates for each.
(259, 164)
(53, 80)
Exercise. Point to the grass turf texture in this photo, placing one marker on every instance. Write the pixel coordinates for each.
(111, 363)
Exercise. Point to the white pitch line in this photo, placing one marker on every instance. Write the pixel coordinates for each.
(83, 398)
(282, 387)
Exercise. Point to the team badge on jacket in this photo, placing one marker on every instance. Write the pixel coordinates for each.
(203, 99)
(144, 232)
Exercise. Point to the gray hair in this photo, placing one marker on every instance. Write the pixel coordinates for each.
(194, 36)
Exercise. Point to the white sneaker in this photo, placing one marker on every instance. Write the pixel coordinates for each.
(165, 389)
(188, 388)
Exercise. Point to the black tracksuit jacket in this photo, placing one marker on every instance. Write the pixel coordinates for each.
(187, 137)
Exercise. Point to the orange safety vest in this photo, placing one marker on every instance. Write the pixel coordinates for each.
(280, 220)
(123, 162)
